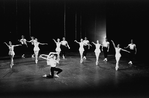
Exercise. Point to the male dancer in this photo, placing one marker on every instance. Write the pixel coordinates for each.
(133, 50)
(23, 41)
(86, 47)
(32, 43)
(105, 48)
(64, 46)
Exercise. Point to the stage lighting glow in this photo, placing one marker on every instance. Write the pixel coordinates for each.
(99, 33)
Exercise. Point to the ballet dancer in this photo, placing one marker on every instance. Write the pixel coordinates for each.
(97, 50)
(133, 50)
(23, 41)
(51, 61)
(37, 49)
(81, 49)
(118, 54)
(105, 48)
(58, 49)
(32, 43)
(64, 46)
(86, 47)
(11, 52)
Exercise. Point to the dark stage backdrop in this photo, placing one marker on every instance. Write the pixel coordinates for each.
(121, 20)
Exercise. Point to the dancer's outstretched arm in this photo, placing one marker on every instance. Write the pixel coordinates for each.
(108, 47)
(43, 43)
(94, 43)
(76, 41)
(6, 44)
(125, 50)
(113, 43)
(54, 40)
(127, 46)
(17, 45)
(68, 45)
(43, 56)
(53, 53)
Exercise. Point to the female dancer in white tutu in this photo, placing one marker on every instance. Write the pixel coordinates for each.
(58, 49)
(11, 51)
(36, 49)
(81, 49)
(118, 54)
(97, 50)
(64, 46)
(51, 61)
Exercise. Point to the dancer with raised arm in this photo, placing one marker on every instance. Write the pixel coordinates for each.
(133, 50)
(52, 60)
(32, 43)
(36, 49)
(58, 49)
(105, 48)
(117, 54)
(64, 46)
(86, 47)
(11, 51)
(23, 41)
(81, 49)
(97, 50)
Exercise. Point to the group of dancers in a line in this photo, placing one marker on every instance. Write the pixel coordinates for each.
(61, 46)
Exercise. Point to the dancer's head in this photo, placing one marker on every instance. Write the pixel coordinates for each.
(118, 45)
(81, 40)
(97, 41)
(10, 43)
(131, 41)
(85, 38)
(36, 39)
(63, 38)
(58, 40)
(22, 36)
(32, 37)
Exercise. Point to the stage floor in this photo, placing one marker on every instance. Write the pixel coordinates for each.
(86, 79)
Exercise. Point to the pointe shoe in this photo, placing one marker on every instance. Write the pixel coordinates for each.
(81, 61)
(116, 68)
(96, 63)
(130, 62)
(36, 61)
(105, 59)
(63, 57)
(84, 57)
